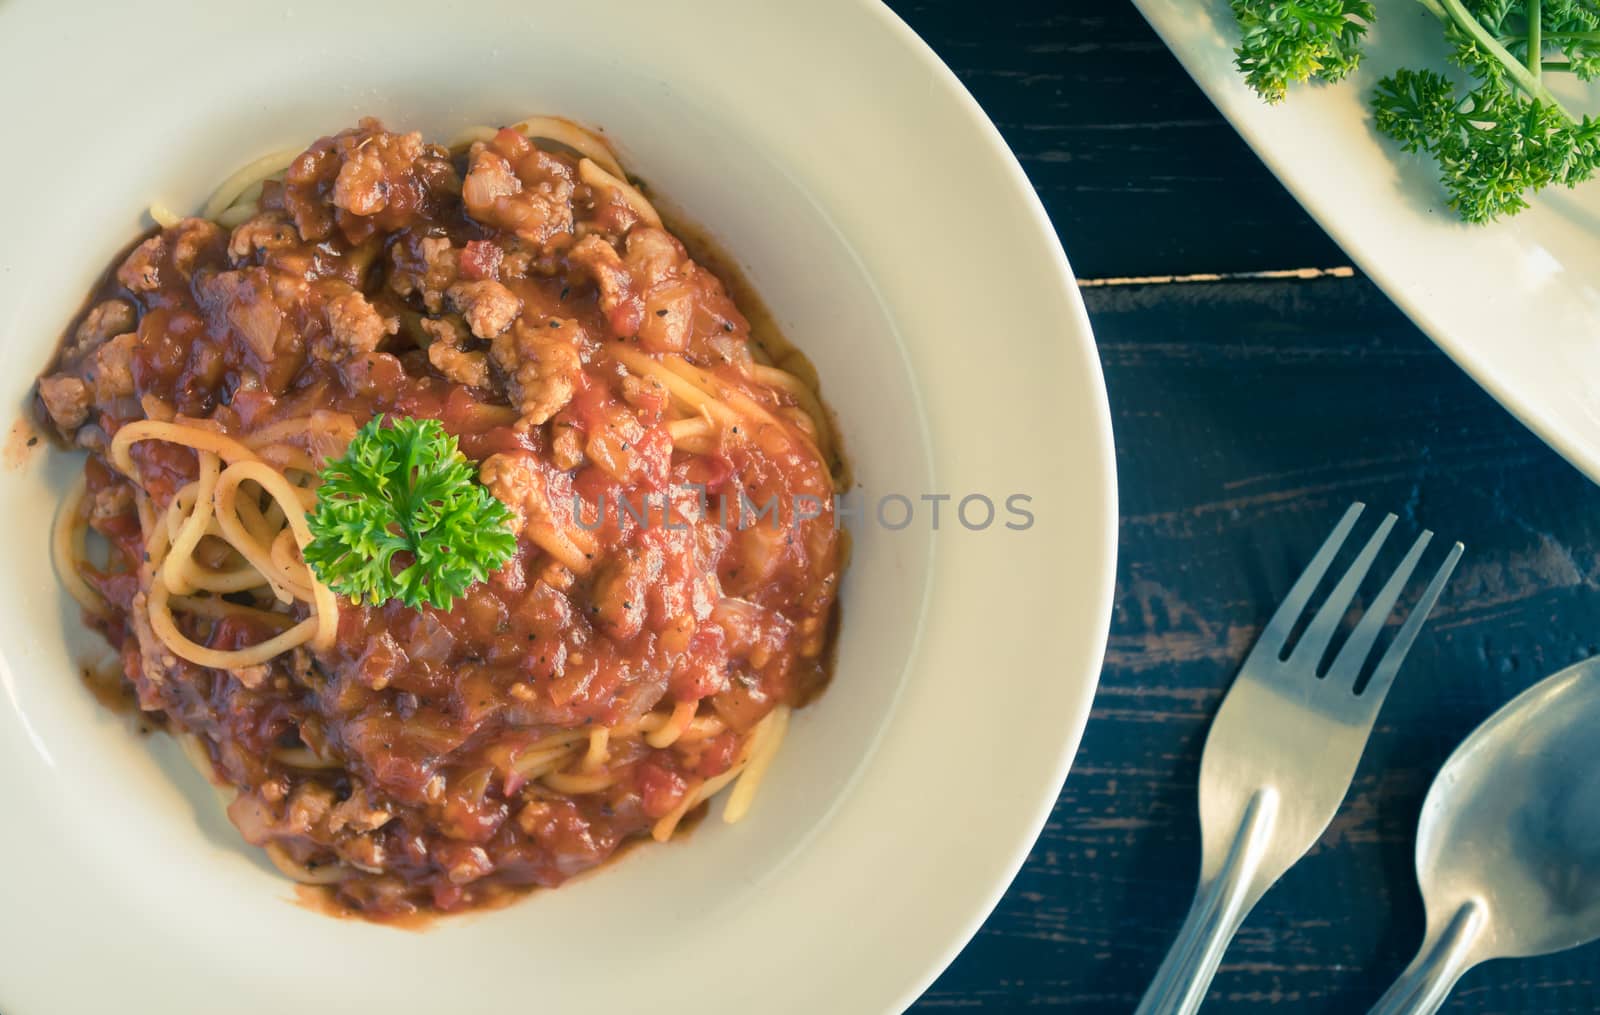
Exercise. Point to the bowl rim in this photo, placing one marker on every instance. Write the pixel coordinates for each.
(1045, 806)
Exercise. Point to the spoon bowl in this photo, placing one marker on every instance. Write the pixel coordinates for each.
(1508, 847)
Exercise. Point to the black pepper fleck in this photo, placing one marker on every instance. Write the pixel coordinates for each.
(662, 312)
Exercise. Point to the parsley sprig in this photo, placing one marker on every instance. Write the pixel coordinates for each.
(402, 516)
(1288, 43)
(1496, 140)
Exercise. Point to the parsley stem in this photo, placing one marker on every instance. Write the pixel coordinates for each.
(414, 453)
(1456, 13)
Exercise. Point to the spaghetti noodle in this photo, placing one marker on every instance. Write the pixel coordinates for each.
(606, 683)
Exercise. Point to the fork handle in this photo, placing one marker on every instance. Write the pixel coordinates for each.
(1220, 905)
(1441, 960)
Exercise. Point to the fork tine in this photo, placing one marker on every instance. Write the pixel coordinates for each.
(1276, 633)
(1347, 667)
(1389, 665)
(1315, 641)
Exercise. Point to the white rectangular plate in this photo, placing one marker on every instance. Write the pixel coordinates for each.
(1516, 303)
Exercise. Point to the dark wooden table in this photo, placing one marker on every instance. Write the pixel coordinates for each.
(1248, 414)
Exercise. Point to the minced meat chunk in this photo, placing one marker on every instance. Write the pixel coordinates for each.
(518, 481)
(180, 248)
(481, 259)
(366, 180)
(447, 330)
(617, 598)
(110, 501)
(647, 291)
(156, 661)
(424, 267)
(540, 506)
(362, 186)
(252, 676)
(191, 240)
(105, 320)
(566, 446)
(355, 327)
(447, 356)
(358, 815)
(110, 373)
(513, 185)
(488, 306)
(542, 366)
(141, 271)
(308, 806)
(66, 399)
(471, 369)
(262, 234)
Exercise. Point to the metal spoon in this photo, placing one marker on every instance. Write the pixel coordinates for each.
(1508, 850)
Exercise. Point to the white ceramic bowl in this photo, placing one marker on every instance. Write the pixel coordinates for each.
(897, 242)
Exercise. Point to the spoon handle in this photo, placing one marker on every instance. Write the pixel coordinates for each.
(1441, 960)
(1220, 905)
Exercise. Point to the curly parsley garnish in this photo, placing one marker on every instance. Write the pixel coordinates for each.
(1288, 43)
(403, 516)
(1496, 140)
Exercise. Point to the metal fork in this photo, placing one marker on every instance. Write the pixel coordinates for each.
(1282, 750)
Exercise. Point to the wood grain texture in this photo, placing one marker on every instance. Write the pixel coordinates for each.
(1247, 417)
(1140, 173)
